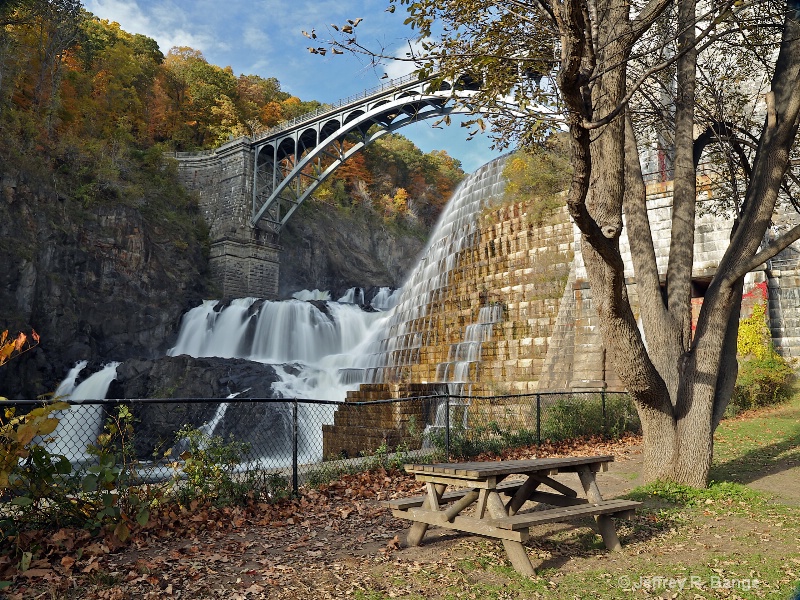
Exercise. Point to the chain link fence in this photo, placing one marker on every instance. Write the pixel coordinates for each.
(270, 447)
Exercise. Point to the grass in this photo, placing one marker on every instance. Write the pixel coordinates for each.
(726, 541)
(752, 445)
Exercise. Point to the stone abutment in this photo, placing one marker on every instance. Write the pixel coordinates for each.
(244, 261)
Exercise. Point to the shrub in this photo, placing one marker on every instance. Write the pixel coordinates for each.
(112, 485)
(212, 469)
(764, 377)
(762, 382)
(540, 173)
(576, 417)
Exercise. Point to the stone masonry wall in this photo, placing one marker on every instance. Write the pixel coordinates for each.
(357, 428)
(784, 310)
(222, 179)
(522, 268)
(243, 261)
(549, 338)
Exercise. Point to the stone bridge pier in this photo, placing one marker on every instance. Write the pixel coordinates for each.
(244, 260)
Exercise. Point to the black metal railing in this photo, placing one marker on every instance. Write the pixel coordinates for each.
(273, 445)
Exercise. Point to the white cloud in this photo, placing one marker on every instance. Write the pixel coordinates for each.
(167, 24)
(400, 68)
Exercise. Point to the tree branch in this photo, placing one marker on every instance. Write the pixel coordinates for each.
(771, 250)
(652, 71)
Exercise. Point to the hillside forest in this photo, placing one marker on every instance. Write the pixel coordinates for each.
(92, 108)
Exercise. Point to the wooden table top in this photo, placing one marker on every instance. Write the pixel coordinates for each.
(483, 469)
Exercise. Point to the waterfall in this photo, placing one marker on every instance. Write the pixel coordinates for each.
(321, 349)
(405, 334)
(314, 294)
(282, 331)
(207, 332)
(385, 299)
(69, 440)
(355, 295)
(466, 353)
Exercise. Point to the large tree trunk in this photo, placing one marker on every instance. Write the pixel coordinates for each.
(680, 384)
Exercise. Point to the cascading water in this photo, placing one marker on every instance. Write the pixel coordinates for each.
(399, 343)
(69, 440)
(355, 295)
(385, 299)
(321, 349)
(456, 371)
(468, 352)
(319, 341)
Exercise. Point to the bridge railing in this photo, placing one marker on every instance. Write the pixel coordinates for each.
(325, 108)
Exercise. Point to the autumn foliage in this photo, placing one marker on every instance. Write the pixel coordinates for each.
(97, 106)
(14, 346)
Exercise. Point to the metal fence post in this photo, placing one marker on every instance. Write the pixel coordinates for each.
(538, 419)
(295, 482)
(603, 402)
(447, 426)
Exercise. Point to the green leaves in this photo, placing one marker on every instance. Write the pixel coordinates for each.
(22, 501)
(89, 483)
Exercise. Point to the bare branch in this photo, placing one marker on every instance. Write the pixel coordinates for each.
(771, 250)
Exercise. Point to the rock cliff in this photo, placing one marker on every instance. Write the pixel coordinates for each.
(103, 282)
(111, 281)
(329, 249)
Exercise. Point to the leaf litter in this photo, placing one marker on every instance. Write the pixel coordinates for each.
(325, 544)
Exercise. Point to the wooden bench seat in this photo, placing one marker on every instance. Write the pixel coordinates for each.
(505, 487)
(614, 508)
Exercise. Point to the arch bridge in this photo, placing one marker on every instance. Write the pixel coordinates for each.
(292, 160)
(247, 189)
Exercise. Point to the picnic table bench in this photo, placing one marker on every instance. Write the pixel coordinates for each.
(481, 483)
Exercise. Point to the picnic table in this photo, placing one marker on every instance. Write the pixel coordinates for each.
(483, 483)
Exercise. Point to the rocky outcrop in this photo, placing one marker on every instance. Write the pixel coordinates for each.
(191, 379)
(188, 377)
(101, 282)
(328, 249)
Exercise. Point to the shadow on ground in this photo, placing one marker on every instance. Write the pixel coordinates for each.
(760, 462)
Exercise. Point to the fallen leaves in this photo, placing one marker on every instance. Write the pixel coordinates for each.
(321, 545)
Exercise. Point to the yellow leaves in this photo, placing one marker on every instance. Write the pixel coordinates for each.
(6, 350)
(25, 434)
(48, 426)
(122, 531)
(17, 432)
(754, 337)
(16, 346)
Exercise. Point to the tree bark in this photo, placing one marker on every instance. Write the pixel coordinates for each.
(680, 384)
(684, 196)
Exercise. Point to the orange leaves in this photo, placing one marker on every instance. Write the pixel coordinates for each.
(11, 347)
(271, 114)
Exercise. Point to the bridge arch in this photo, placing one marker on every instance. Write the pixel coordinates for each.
(289, 167)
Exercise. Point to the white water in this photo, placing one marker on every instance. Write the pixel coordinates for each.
(386, 298)
(355, 295)
(320, 347)
(466, 353)
(81, 424)
(320, 355)
(314, 294)
(398, 344)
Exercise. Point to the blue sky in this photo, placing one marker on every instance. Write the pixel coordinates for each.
(263, 37)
